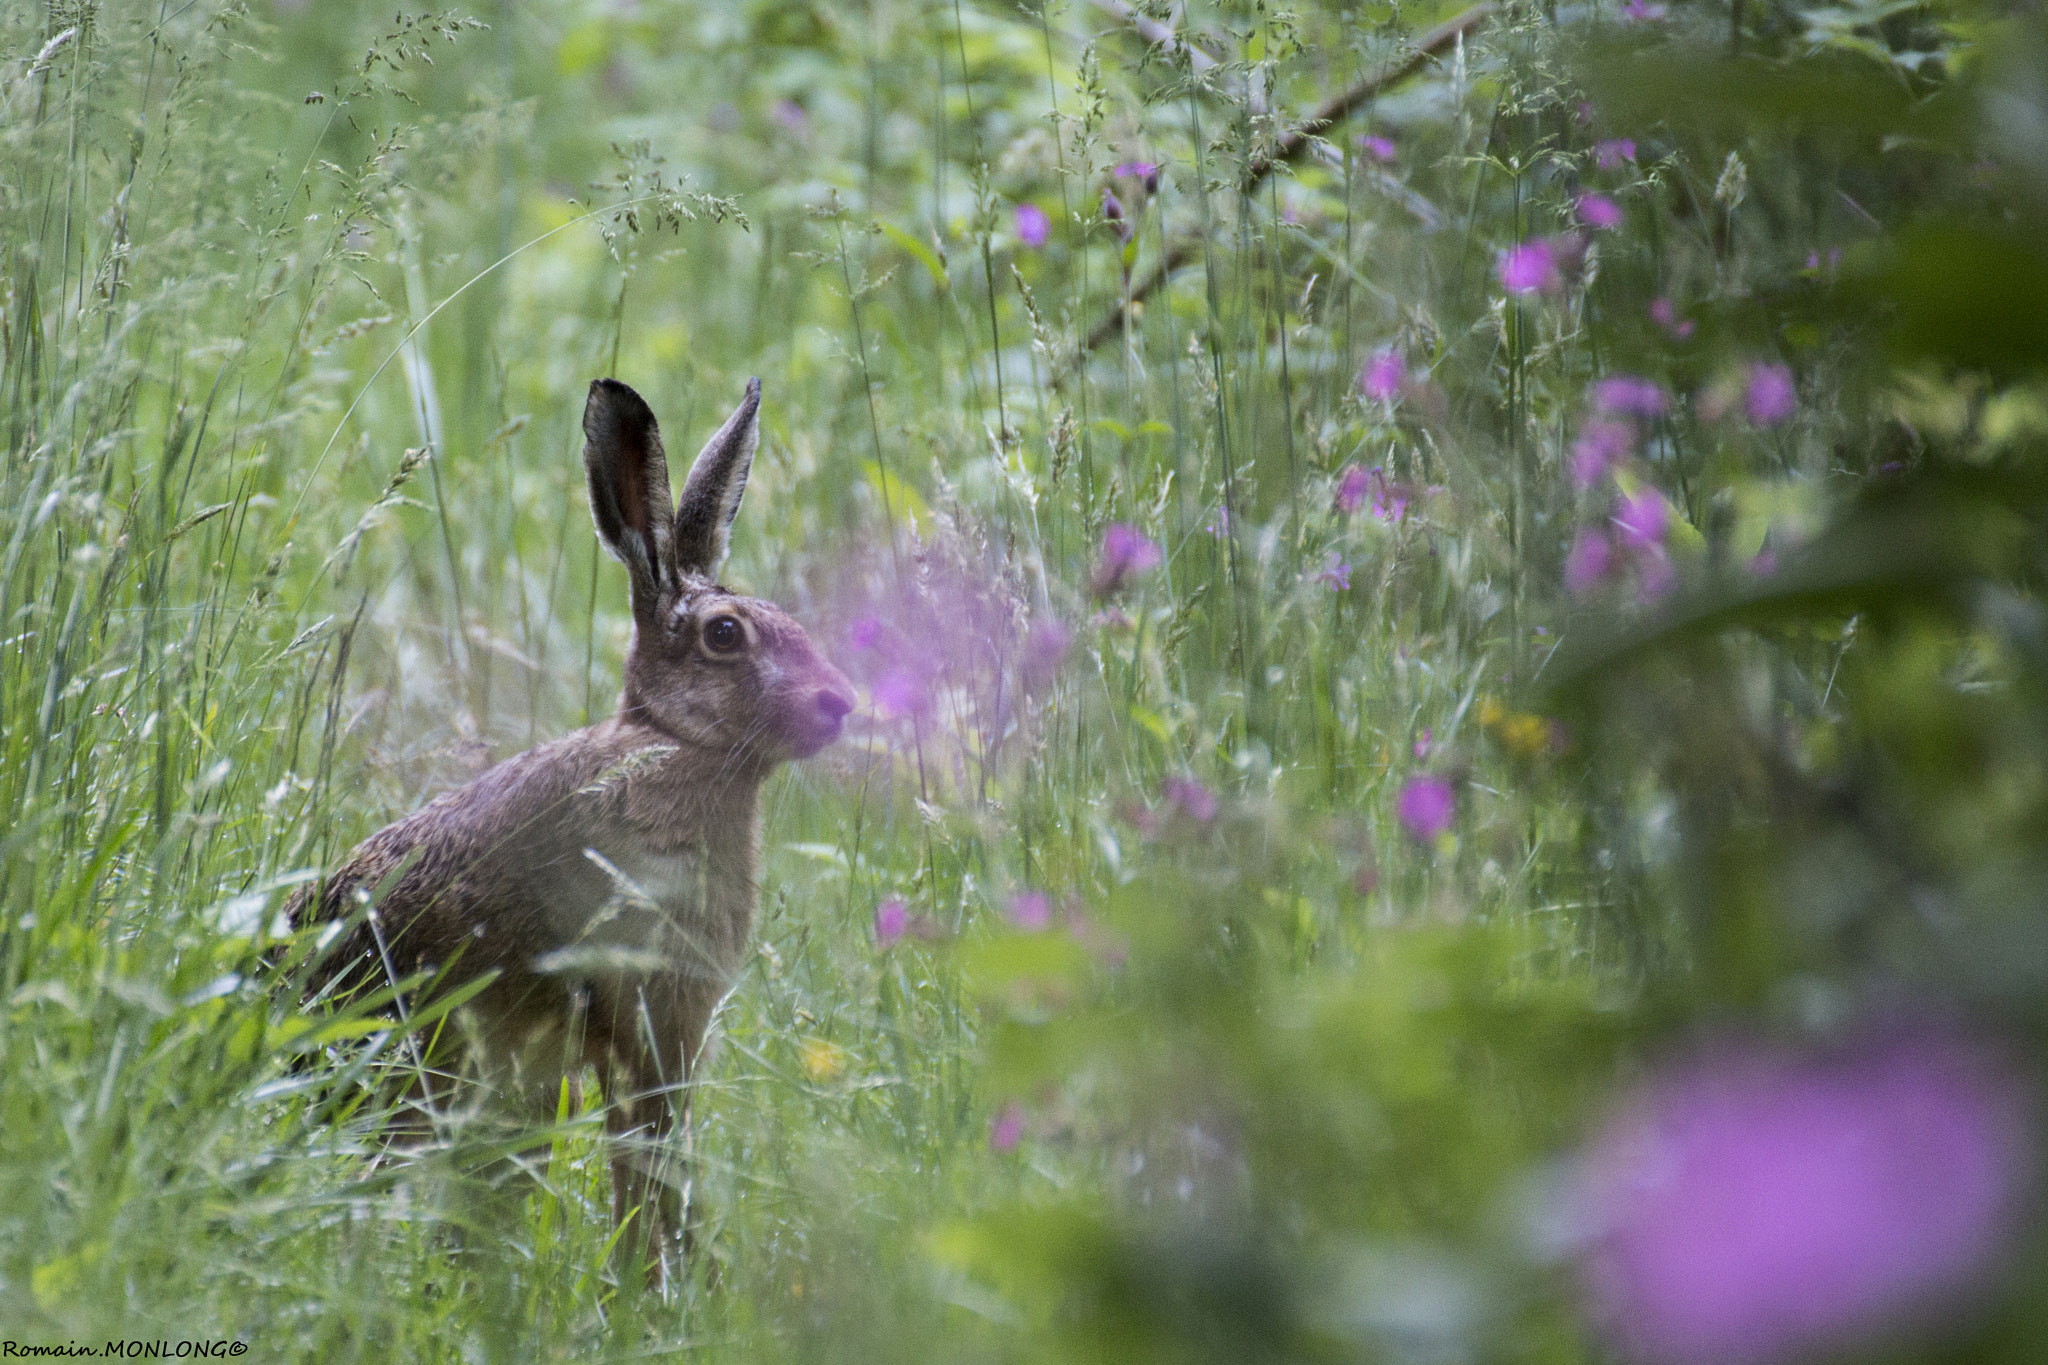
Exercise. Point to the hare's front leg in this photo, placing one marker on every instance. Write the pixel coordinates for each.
(648, 1117)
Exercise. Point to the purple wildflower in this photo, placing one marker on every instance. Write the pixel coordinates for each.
(1377, 147)
(1007, 1128)
(1389, 499)
(1610, 154)
(1587, 563)
(1381, 378)
(1770, 396)
(1030, 910)
(1666, 316)
(1219, 524)
(1423, 742)
(1045, 644)
(1752, 1204)
(1655, 574)
(1603, 443)
(1426, 806)
(1529, 269)
(892, 919)
(1632, 394)
(1193, 799)
(901, 692)
(790, 115)
(1113, 211)
(1335, 574)
(1125, 551)
(1583, 112)
(1145, 172)
(1642, 519)
(1598, 211)
(1032, 225)
(1351, 489)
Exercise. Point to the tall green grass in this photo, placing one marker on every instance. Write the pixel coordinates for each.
(300, 304)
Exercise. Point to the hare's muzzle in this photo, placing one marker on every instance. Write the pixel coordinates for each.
(819, 723)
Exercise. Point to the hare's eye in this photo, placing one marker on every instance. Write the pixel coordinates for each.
(724, 635)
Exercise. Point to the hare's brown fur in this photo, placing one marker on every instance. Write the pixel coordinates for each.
(607, 879)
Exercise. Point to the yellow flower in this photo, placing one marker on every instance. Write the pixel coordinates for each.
(822, 1061)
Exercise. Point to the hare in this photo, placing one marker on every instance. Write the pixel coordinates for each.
(606, 880)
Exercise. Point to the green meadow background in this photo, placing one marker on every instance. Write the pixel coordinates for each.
(300, 302)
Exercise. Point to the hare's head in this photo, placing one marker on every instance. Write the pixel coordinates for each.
(706, 665)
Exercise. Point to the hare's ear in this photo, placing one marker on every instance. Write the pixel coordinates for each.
(629, 487)
(711, 496)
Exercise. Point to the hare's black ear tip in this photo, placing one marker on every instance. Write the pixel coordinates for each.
(754, 390)
(612, 397)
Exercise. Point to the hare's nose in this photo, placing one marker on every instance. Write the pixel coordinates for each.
(834, 704)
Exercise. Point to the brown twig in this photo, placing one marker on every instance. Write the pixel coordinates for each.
(1428, 48)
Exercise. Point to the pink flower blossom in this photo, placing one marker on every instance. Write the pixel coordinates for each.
(892, 919)
(1126, 551)
(1587, 563)
(1529, 268)
(1389, 499)
(1603, 443)
(1376, 147)
(1666, 316)
(1335, 574)
(1030, 911)
(1032, 225)
(1045, 645)
(1598, 211)
(1754, 1204)
(1642, 519)
(790, 115)
(1381, 378)
(1351, 489)
(1610, 154)
(1425, 806)
(1190, 797)
(1770, 396)
(1632, 394)
(1146, 172)
(1422, 743)
(1007, 1128)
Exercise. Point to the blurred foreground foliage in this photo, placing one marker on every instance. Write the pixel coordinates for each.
(1547, 590)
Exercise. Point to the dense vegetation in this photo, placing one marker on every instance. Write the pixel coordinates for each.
(1454, 750)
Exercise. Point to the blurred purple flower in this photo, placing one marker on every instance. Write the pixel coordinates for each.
(1032, 225)
(1113, 211)
(1381, 378)
(1642, 12)
(1219, 524)
(1609, 155)
(1335, 574)
(1193, 799)
(1045, 645)
(790, 115)
(1664, 315)
(1598, 211)
(1583, 111)
(1351, 489)
(1389, 499)
(1125, 551)
(1007, 1128)
(1426, 806)
(1422, 743)
(1753, 1205)
(1587, 563)
(1377, 147)
(1529, 269)
(1642, 519)
(1770, 397)
(901, 692)
(1632, 394)
(1145, 172)
(892, 918)
(1603, 443)
(1030, 910)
